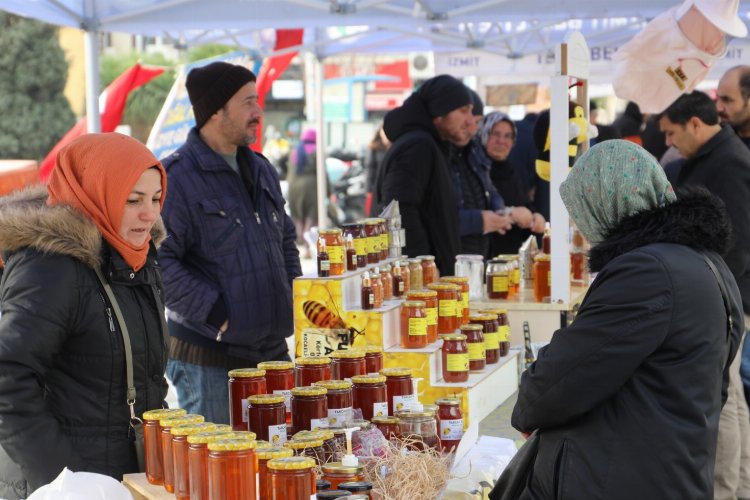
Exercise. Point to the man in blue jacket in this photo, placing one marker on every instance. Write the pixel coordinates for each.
(230, 258)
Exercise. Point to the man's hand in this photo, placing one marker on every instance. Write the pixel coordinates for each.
(493, 222)
(521, 217)
(537, 223)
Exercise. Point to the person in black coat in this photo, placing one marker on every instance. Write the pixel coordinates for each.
(627, 398)
(63, 384)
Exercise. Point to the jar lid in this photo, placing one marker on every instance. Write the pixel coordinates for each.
(421, 294)
(396, 372)
(309, 390)
(330, 232)
(373, 349)
(209, 437)
(348, 354)
(454, 279)
(371, 222)
(414, 261)
(356, 486)
(413, 303)
(313, 360)
(324, 434)
(223, 428)
(471, 327)
(545, 257)
(339, 468)
(443, 286)
(407, 415)
(163, 413)
(384, 419)
(291, 463)
(261, 444)
(482, 317)
(301, 444)
(275, 452)
(426, 257)
(448, 402)
(189, 418)
(496, 312)
(322, 485)
(368, 379)
(246, 435)
(507, 256)
(231, 445)
(334, 384)
(266, 399)
(185, 430)
(276, 365)
(430, 409)
(246, 373)
(497, 261)
(454, 336)
(469, 256)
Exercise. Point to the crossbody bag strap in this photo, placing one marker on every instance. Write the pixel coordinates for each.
(724, 293)
(125, 341)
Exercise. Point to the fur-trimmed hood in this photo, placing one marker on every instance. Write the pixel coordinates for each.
(27, 221)
(697, 219)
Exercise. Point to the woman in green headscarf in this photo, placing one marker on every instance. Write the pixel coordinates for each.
(627, 399)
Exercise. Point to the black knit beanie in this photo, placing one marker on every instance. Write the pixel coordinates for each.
(211, 86)
(442, 94)
(478, 108)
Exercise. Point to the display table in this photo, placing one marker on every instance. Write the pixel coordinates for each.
(141, 489)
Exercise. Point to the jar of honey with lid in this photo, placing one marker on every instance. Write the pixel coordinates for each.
(243, 383)
(347, 363)
(360, 244)
(448, 297)
(180, 457)
(419, 427)
(372, 240)
(267, 420)
(231, 469)
(405, 276)
(198, 459)
(415, 274)
(280, 380)
(309, 408)
(264, 455)
(337, 473)
(450, 423)
(373, 358)
(491, 337)
(429, 269)
(386, 279)
(503, 330)
(336, 250)
(340, 402)
(430, 299)
(383, 238)
(152, 441)
(292, 478)
(498, 279)
(311, 369)
(475, 344)
(462, 307)
(400, 388)
(370, 395)
(455, 358)
(542, 278)
(311, 447)
(166, 444)
(413, 325)
(387, 425)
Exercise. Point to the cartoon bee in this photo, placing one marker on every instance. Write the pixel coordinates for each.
(322, 317)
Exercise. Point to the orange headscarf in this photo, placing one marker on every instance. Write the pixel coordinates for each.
(95, 174)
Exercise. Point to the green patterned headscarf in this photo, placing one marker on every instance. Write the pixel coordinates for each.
(611, 181)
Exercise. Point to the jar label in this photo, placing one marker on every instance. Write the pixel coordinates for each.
(432, 315)
(325, 265)
(451, 430)
(476, 351)
(360, 246)
(353, 260)
(318, 423)
(457, 362)
(371, 244)
(465, 300)
(287, 398)
(380, 409)
(504, 333)
(417, 326)
(403, 402)
(499, 283)
(447, 308)
(245, 410)
(338, 416)
(401, 286)
(491, 340)
(516, 276)
(277, 434)
(336, 254)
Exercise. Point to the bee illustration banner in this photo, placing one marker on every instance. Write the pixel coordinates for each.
(323, 341)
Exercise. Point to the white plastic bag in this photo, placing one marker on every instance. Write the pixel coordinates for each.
(71, 485)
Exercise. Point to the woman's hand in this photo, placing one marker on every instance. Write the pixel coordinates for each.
(521, 217)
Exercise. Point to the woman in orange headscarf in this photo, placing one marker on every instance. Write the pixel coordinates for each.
(63, 382)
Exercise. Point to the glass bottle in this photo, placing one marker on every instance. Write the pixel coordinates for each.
(455, 358)
(198, 460)
(324, 262)
(291, 478)
(368, 294)
(491, 336)
(152, 442)
(231, 469)
(405, 277)
(243, 383)
(503, 329)
(450, 423)
(311, 369)
(413, 325)
(351, 254)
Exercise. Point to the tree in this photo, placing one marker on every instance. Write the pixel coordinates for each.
(35, 113)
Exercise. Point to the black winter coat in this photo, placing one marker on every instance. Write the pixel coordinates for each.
(415, 172)
(627, 399)
(62, 364)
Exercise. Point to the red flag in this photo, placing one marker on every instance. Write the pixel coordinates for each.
(272, 69)
(112, 105)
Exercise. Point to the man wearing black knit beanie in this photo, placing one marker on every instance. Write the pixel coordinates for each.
(415, 171)
(230, 257)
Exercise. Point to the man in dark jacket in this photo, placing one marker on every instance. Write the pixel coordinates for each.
(627, 398)
(230, 257)
(716, 159)
(416, 172)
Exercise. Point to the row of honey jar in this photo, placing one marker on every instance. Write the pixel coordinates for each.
(359, 244)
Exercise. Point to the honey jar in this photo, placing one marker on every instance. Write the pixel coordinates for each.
(475, 345)
(231, 469)
(152, 442)
(448, 296)
(413, 325)
(429, 269)
(455, 358)
(336, 250)
(430, 299)
(291, 478)
(311, 369)
(243, 383)
(462, 308)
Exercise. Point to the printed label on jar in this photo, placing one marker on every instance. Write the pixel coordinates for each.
(465, 299)
(277, 434)
(447, 308)
(432, 315)
(337, 416)
(360, 246)
(516, 276)
(499, 283)
(336, 254)
(403, 402)
(476, 350)
(245, 410)
(354, 260)
(325, 265)
(491, 340)
(318, 423)
(401, 286)
(287, 398)
(380, 409)
(504, 333)
(417, 326)
(457, 362)
(371, 244)
(451, 430)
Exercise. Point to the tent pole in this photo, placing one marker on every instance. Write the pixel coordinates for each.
(322, 177)
(91, 51)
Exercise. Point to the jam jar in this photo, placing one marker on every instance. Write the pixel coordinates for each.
(503, 330)
(455, 357)
(167, 455)
(542, 278)
(419, 427)
(309, 408)
(347, 363)
(491, 338)
(336, 250)
(429, 269)
(450, 423)
(152, 441)
(311, 369)
(180, 458)
(231, 469)
(267, 417)
(415, 274)
(372, 240)
(430, 299)
(498, 279)
(448, 296)
(291, 478)
(462, 308)
(373, 358)
(243, 383)
(413, 325)
(198, 460)
(280, 380)
(264, 455)
(387, 425)
(370, 395)
(400, 388)
(340, 402)
(475, 344)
